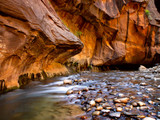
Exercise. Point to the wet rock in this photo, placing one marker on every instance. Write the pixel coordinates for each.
(158, 86)
(156, 79)
(115, 114)
(92, 103)
(84, 108)
(105, 105)
(149, 118)
(158, 99)
(143, 108)
(75, 80)
(141, 116)
(99, 108)
(142, 68)
(85, 89)
(143, 84)
(109, 108)
(121, 100)
(121, 95)
(119, 109)
(67, 82)
(83, 117)
(150, 89)
(105, 111)
(150, 102)
(158, 114)
(96, 113)
(135, 104)
(80, 80)
(132, 97)
(92, 88)
(89, 109)
(139, 93)
(113, 93)
(118, 104)
(98, 100)
(141, 103)
(69, 92)
(129, 113)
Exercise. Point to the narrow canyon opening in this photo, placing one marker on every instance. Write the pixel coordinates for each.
(157, 3)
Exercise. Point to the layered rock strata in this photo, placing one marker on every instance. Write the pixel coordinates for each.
(114, 32)
(34, 43)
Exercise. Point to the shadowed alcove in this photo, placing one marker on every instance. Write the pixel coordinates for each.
(157, 3)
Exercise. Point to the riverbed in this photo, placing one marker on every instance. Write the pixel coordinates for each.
(47, 100)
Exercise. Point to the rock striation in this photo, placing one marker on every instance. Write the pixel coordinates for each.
(34, 43)
(113, 32)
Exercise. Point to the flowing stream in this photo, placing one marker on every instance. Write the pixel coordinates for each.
(47, 100)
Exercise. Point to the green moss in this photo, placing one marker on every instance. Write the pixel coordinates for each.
(78, 33)
(147, 12)
(90, 67)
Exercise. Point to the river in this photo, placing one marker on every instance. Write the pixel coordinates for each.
(47, 100)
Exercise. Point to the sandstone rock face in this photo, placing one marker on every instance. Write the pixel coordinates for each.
(34, 43)
(113, 31)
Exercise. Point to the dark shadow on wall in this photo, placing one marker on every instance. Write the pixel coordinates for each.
(157, 3)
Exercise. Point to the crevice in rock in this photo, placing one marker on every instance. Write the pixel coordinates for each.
(157, 4)
(8, 15)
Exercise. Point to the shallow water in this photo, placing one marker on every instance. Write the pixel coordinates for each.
(47, 100)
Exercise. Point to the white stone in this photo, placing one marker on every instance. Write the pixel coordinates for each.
(148, 118)
(67, 82)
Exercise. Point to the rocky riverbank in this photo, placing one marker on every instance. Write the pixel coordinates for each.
(118, 95)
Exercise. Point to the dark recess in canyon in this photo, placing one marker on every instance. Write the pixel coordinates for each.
(157, 3)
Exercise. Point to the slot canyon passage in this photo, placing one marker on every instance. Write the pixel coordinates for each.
(79, 59)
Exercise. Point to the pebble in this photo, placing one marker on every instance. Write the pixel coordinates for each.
(142, 68)
(135, 104)
(121, 100)
(108, 108)
(105, 105)
(99, 108)
(143, 108)
(85, 89)
(92, 103)
(129, 113)
(69, 92)
(150, 102)
(96, 113)
(139, 93)
(158, 114)
(98, 100)
(75, 80)
(83, 117)
(158, 86)
(115, 114)
(141, 103)
(89, 109)
(67, 82)
(105, 111)
(143, 84)
(119, 109)
(148, 118)
(133, 97)
(121, 95)
(141, 116)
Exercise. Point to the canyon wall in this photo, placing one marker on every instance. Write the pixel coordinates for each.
(113, 32)
(39, 37)
(34, 43)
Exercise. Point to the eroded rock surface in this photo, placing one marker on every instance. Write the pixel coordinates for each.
(34, 43)
(113, 31)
